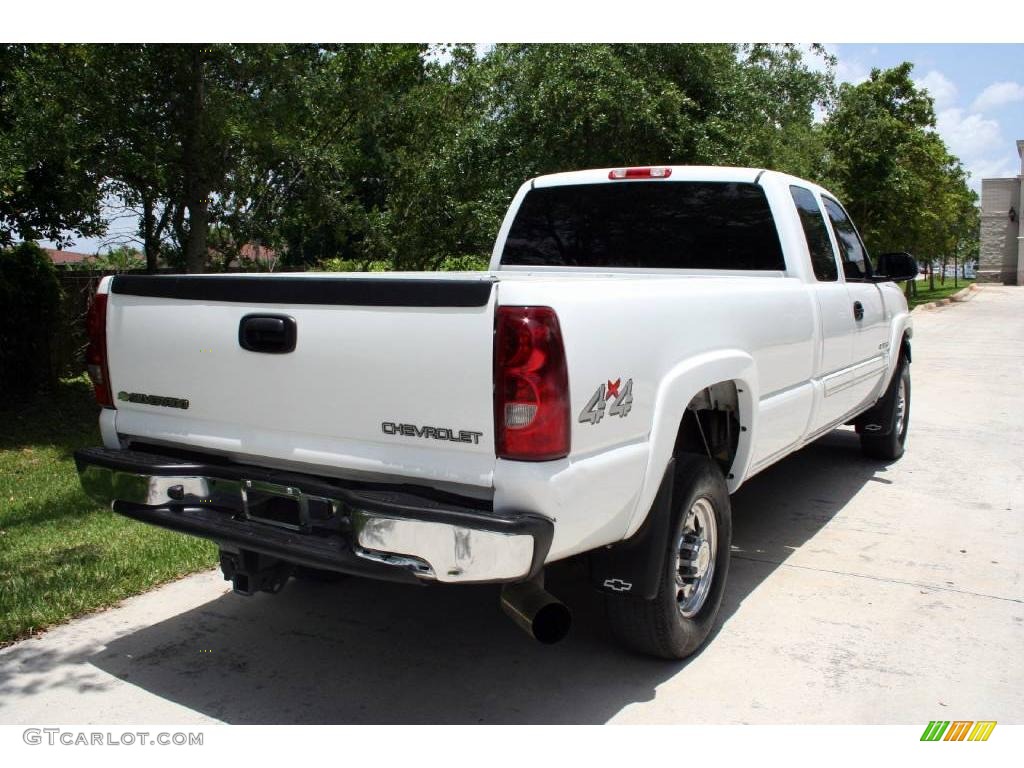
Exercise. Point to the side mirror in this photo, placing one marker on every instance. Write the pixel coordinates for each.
(896, 267)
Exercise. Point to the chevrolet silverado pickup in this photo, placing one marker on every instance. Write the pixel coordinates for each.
(644, 341)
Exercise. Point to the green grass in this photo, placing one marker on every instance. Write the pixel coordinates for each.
(61, 554)
(941, 291)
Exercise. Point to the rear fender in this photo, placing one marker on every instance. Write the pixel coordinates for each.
(899, 343)
(675, 392)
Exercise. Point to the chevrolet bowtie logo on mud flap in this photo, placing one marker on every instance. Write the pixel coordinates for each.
(618, 585)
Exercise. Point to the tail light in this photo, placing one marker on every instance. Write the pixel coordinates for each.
(531, 385)
(639, 173)
(96, 352)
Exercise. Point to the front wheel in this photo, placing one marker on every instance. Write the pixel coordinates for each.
(681, 616)
(895, 414)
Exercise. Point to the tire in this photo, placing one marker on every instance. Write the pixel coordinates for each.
(678, 620)
(895, 413)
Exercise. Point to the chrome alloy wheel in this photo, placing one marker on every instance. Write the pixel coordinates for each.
(901, 406)
(695, 557)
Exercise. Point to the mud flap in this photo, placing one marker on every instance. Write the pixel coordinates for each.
(877, 421)
(632, 567)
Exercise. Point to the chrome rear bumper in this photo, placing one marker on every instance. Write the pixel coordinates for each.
(392, 532)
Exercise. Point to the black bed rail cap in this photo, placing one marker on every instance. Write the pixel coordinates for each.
(326, 289)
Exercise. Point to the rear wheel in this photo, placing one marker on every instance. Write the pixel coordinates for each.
(681, 616)
(895, 413)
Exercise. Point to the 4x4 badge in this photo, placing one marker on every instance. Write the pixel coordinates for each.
(623, 404)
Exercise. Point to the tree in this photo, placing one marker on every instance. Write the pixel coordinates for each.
(121, 259)
(409, 154)
(281, 143)
(171, 121)
(477, 127)
(901, 185)
(444, 194)
(314, 177)
(30, 300)
(770, 111)
(50, 174)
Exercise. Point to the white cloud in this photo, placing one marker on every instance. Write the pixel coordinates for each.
(998, 94)
(969, 135)
(942, 90)
(847, 70)
(999, 168)
(978, 142)
(852, 71)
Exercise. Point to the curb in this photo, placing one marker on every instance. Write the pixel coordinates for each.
(962, 295)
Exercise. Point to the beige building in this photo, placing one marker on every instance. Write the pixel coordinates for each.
(1001, 258)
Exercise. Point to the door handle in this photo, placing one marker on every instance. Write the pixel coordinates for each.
(858, 311)
(272, 334)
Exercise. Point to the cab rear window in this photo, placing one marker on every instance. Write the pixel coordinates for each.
(646, 225)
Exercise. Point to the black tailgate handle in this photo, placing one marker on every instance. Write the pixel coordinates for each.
(273, 334)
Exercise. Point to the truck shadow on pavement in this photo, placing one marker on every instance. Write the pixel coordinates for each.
(371, 652)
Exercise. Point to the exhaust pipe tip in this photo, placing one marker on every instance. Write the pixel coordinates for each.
(542, 616)
(551, 624)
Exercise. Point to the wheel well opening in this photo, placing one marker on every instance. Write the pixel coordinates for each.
(711, 425)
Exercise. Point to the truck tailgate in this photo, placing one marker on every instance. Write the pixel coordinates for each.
(388, 375)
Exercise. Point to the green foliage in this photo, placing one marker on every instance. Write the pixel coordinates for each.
(901, 185)
(50, 170)
(465, 263)
(317, 169)
(408, 155)
(343, 265)
(120, 259)
(62, 554)
(29, 303)
(475, 128)
(774, 98)
(923, 294)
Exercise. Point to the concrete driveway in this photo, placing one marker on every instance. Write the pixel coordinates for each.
(858, 593)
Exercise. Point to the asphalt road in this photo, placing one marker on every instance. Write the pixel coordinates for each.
(858, 593)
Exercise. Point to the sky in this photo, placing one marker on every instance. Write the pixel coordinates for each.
(979, 103)
(978, 91)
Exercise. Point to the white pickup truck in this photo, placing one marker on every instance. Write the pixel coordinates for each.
(645, 340)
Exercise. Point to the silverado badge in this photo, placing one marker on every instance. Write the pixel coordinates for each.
(166, 402)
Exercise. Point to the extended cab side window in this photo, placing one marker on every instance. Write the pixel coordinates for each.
(823, 257)
(856, 265)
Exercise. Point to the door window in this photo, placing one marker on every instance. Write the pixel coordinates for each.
(856, 265)
(823, 257)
